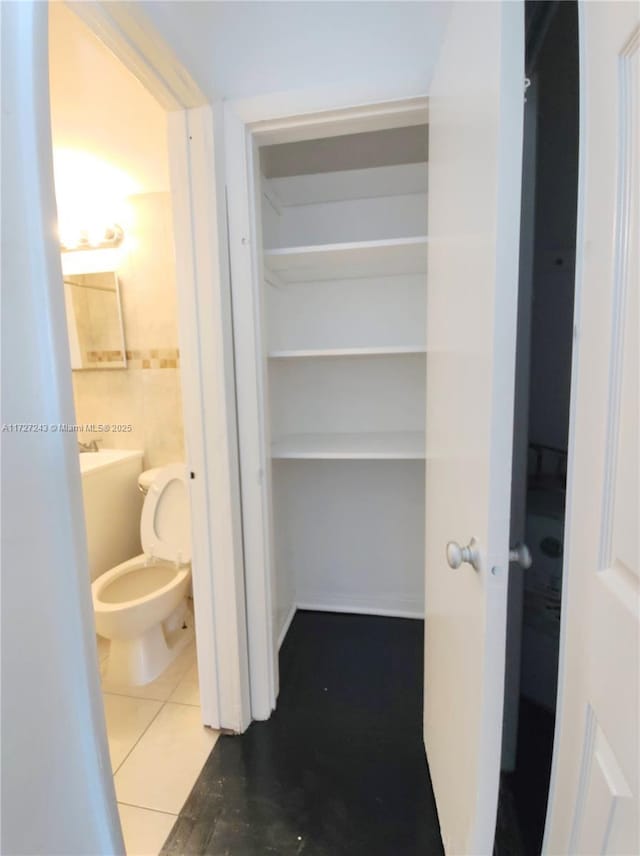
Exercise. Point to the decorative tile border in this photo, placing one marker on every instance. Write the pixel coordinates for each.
(153, 358)
(105, 356)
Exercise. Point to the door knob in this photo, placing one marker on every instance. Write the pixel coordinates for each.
(456, 554)
(521, 555)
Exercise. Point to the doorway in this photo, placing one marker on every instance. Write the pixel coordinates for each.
(116, 225)
(330, 333)
(543, 378)
(329, 327)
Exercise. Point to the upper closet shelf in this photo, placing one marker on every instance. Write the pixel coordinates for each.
(349, 260)
(391, 446)
(382, 351)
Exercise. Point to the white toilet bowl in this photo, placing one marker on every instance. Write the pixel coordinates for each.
(140, 605)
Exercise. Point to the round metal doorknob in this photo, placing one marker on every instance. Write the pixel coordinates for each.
(521, 555)
(457, 555)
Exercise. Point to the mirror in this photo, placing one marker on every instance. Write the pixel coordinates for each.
(94, 321)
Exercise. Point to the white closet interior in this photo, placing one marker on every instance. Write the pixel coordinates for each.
(344, 226)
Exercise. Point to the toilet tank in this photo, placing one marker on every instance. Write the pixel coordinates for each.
(112, 506)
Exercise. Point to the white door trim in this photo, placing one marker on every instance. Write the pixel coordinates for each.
(245, 129)
(207, 375)
(142, 51)
(208, 393)
(253, 437)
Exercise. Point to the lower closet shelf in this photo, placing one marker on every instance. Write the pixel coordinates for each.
(394, 445)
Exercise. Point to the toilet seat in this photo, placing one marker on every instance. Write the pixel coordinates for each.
(171, 577)
(140, 605)
(164, 525)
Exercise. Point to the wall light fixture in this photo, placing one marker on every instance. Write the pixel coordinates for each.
(94, 238)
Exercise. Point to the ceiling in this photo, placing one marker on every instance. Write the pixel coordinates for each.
(241, 50)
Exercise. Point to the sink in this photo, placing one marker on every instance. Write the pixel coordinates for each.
(112, 506)
(91, 461)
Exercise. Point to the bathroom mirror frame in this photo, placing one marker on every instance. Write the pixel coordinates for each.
(93, 359)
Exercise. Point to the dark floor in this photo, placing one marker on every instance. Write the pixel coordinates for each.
(523, 793)
(340, 766)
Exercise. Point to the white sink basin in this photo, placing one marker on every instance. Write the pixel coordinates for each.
(91, 461)
(112, 506)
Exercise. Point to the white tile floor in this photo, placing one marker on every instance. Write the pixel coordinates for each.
(158, 747)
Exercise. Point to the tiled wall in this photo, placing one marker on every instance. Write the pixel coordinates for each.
(145, 395)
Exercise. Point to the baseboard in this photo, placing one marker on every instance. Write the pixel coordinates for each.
(287, 625)
(317, 606)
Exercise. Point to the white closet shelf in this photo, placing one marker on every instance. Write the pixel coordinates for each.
(390, 446)
(367, 183)
(385, 350)
(348, 260)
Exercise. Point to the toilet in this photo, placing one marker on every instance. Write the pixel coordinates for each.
(141, 604)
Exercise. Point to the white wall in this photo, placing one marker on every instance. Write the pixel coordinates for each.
(108, 112)
(349, 536)
(249, 49)
(117, 166)
(57, 789)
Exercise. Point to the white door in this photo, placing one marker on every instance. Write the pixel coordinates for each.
(475, 155)
(593, 802)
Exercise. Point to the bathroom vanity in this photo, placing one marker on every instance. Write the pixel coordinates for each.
(112, 506)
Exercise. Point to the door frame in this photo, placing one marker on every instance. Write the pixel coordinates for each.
(248, 125)
(203, 292)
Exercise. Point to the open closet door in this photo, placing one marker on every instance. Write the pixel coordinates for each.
(594, 797)
(475, 154)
